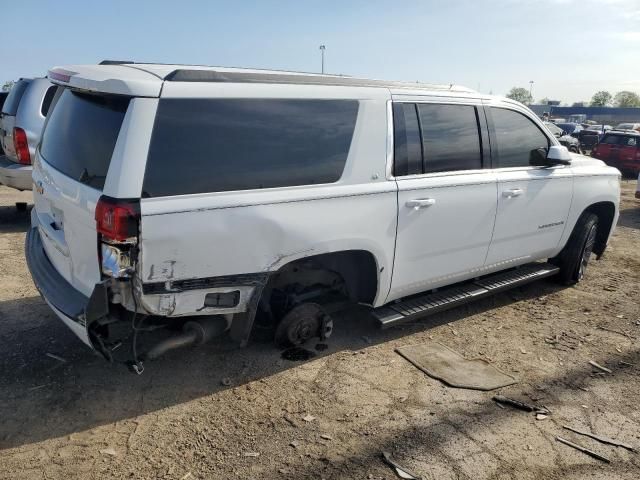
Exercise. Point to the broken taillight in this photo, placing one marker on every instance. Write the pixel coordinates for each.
(117, 219)
(21, 146)
(117, 222)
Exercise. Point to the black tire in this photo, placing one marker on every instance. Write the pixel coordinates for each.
(574, 257)
(574, 149)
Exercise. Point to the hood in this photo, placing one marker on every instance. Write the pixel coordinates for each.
(568, 139)
(578, 160)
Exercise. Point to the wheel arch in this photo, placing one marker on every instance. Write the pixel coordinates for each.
(359, 269)
(606, 213)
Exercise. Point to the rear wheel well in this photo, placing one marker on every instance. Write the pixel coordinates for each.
(605, 211)
(356, 269)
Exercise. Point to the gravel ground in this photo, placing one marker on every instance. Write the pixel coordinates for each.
(220, 412)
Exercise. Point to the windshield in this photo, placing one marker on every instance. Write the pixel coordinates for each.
(81, 133)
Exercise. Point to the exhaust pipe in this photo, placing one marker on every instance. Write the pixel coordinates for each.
(194, 332)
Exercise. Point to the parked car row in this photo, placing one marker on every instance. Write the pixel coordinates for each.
(21, 121)
(202, 198)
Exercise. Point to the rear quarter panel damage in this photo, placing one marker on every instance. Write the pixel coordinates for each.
(263, 237)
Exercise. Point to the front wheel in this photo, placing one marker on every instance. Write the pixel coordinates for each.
(574, 257)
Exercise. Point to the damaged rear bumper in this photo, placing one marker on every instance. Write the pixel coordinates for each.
(71, 306)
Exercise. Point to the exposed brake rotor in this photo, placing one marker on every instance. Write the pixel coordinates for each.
(302, 323)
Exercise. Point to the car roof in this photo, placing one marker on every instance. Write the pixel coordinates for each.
(146, 79)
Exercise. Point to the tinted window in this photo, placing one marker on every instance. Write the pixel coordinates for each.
(407, 141)
(10, 106)
(517, 138)
(613, 139)
(217, 145)
(450, 137)
(46, 101)
(80, 134)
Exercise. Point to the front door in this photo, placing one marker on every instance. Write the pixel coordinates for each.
(446, 201)
(533, 202)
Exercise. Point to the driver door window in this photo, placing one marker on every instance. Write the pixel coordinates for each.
(518, 138)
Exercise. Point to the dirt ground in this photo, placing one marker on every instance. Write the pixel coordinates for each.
(222, 412)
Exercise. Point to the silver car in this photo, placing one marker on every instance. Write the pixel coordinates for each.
(21, 122)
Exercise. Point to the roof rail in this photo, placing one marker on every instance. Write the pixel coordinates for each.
(189, 75)
(115, 62)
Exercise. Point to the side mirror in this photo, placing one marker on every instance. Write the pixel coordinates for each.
(559, 134)
(558, 155)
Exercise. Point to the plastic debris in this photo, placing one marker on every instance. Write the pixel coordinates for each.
(399, 469)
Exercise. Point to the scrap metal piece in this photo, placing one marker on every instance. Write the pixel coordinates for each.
(599, 367)
(521, 405)
(586, 451)
(399, 469)
(606, 440)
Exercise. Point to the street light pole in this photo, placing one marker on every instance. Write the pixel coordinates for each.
(530, 90)
(322, 49)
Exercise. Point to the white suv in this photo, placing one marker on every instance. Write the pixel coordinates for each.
(200, 197)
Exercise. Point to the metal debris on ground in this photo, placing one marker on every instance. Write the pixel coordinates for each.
(609, 441)
(447, 365)
(326, 437)
(251, 454)
(527, 407)
(399, 469)
(599, 367)
(584, 450)
(308, 418)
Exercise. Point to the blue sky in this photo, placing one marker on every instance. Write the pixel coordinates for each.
(569, 48)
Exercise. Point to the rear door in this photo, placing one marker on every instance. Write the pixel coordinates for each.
(8, 119)
(533, 202)
(446, 200)
(69, 175)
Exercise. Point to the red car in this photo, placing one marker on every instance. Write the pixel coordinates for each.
(620, 149)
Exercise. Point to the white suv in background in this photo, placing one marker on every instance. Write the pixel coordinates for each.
(21, 122)
(203, 197)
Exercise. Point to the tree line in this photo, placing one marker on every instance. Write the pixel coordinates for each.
(602, 98)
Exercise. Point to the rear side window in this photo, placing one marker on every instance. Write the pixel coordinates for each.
(46, 101)
(518, 138)
(10, 106)
(217, 145)
(450, 137)
(431, 138)
(80, 134)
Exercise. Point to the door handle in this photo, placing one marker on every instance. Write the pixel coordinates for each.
(514, 192)
(418, 203)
